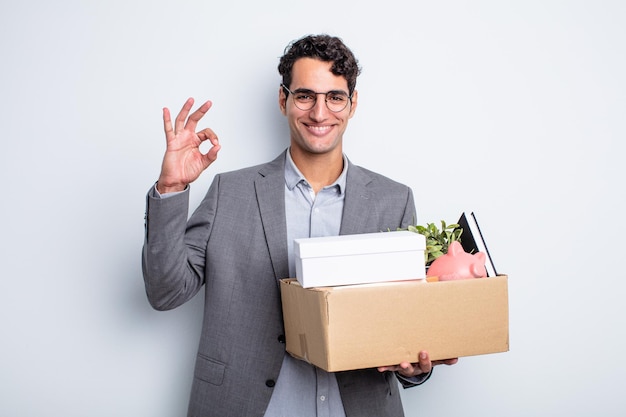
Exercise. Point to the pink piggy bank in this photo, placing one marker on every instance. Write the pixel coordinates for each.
(458, 264)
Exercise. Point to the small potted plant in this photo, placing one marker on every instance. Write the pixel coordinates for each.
(437, 240)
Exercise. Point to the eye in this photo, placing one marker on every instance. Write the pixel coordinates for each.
(337, 98)
(304, 96)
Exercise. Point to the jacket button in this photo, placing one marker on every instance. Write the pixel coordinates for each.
(270, 383)
(281, 338)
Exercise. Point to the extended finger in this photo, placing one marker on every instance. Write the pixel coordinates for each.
(404, 368)
(390, 368)
(195, 117)
(424, 362)
(167, 122)
(182, 115)
(407, 369)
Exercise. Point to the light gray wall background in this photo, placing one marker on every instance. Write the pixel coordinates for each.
(513, 109)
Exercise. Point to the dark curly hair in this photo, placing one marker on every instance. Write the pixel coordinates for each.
(325, 48)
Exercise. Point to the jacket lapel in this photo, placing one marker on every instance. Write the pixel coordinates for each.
(270, 194)
(357, 204)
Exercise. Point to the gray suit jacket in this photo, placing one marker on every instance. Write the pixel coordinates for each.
(235, 244)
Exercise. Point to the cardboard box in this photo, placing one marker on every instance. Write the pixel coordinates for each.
(370, 325)
(359, 259)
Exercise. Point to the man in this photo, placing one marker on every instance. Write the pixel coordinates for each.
(238, 244)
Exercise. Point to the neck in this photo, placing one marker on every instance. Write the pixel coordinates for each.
(319, 170)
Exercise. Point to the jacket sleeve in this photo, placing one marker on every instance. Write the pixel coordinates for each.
(414, 381)
(410, 214)
(174, 250)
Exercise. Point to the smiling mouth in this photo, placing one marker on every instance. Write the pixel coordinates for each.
(319, 130)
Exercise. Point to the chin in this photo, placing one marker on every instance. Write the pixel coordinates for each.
(322, 145)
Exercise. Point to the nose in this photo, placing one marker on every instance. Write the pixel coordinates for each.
(320, 110)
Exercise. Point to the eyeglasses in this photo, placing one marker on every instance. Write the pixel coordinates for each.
(336, 100)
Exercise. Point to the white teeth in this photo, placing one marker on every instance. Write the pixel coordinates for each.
(320, 129)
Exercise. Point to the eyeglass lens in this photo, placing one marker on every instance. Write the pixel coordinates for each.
(336, 101)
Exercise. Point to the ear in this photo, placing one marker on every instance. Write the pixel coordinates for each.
(282, 100)
(478, 268)
(355, 99)
(455, 248)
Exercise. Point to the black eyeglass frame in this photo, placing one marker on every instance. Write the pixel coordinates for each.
(315, 94)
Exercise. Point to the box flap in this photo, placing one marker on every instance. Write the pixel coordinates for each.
(359, 244)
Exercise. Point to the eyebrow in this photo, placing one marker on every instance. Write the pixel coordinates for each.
(306, 90)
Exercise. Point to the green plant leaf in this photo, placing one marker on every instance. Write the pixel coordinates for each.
(437, 240)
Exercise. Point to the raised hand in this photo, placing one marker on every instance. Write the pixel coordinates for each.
(183, 161)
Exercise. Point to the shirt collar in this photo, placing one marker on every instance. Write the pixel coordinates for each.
(293, 175)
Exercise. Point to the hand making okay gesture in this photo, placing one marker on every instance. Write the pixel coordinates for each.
(184, 161)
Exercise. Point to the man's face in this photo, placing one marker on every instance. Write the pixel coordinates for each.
(318, 130)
